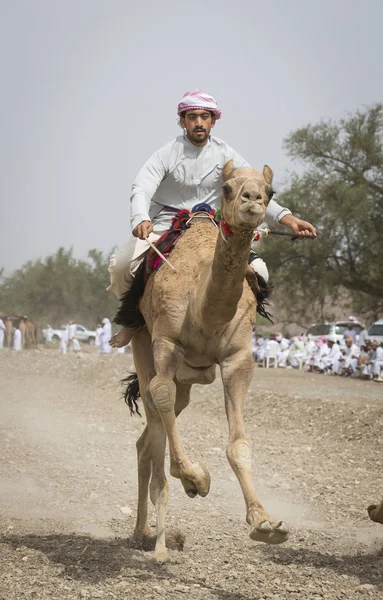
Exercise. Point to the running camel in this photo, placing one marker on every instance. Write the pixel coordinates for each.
(200, 315)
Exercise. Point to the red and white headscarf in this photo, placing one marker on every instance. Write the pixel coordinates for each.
(198, 100)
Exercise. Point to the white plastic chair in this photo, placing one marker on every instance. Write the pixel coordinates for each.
(271, 353)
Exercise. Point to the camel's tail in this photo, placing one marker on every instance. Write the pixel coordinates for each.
(128, 314)
(132, 393)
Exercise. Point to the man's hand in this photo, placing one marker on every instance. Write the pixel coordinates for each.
(143, 229)
(299, 227)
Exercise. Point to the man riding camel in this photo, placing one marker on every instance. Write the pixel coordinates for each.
(185, 172)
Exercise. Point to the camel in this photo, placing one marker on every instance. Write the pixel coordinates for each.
(30, 333)
(23, 329)
(197, 317)
(376, 512)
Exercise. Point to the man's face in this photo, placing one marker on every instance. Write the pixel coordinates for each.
(198, 124)
(349, 342)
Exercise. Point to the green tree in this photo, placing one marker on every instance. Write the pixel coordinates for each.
(59, 288)
(341, 191)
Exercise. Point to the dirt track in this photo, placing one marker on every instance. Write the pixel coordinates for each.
(68, 488)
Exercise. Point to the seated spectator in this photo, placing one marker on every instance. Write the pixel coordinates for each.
(297, 353)
(310, 345)
(376, 360)
(320, 348)
(363, 368)
(259, 349)
(348, 360)
(327, 358)
(283, 353)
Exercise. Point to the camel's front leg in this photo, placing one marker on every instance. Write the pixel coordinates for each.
(237, 372)
(167, 357)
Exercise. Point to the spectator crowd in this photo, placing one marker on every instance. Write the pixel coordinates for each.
(344, 356)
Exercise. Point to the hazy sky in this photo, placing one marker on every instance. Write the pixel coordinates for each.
(89, 90)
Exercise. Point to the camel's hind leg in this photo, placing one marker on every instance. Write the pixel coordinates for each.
(144, 472)
(167, 359)
(150, 450)
(237, 373)
(144, 458)
(151, 446)
(158, 483)
(143, 359)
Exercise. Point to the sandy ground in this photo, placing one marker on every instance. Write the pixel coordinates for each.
(68, 488)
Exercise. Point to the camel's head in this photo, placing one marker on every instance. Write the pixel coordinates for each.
(246, 194)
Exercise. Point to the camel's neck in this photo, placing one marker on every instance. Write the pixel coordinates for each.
(223, 287)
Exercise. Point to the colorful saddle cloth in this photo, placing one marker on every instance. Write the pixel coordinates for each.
(169, 238)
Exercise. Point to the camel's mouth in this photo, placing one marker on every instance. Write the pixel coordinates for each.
(252, 213)
(252, 207)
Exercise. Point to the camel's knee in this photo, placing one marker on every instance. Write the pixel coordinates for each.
(163, 392)
(238, 453)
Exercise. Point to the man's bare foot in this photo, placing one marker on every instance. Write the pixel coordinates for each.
(122, 338)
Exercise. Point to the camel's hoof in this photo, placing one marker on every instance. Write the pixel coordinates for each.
(120, 339)
(202, 481)
(189, 488)
(200, 484)
(161, 556)
(268, 534)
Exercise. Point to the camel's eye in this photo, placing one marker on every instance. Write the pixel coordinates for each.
(227, 189)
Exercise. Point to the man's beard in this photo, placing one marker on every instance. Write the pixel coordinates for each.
(199, 139)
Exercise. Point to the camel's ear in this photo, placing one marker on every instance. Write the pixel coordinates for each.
(268, 174)
(227, 170)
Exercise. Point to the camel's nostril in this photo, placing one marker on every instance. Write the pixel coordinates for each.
(246, 195)
(259, 197)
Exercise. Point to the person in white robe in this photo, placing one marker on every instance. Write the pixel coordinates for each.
(314, 357)
(364, 366)
(310, 346)
(283, 354)
(98, 335)
(347, 363)
(297, 353)
(17, 340)
(2, 333)
(48, 335)
(376, 360)
(106, 334)
(185, 172)
(63, 340)
(350, 332)
(260, 348)
(363, 336)
(329, 356)
(71, 330)
(76, 345)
